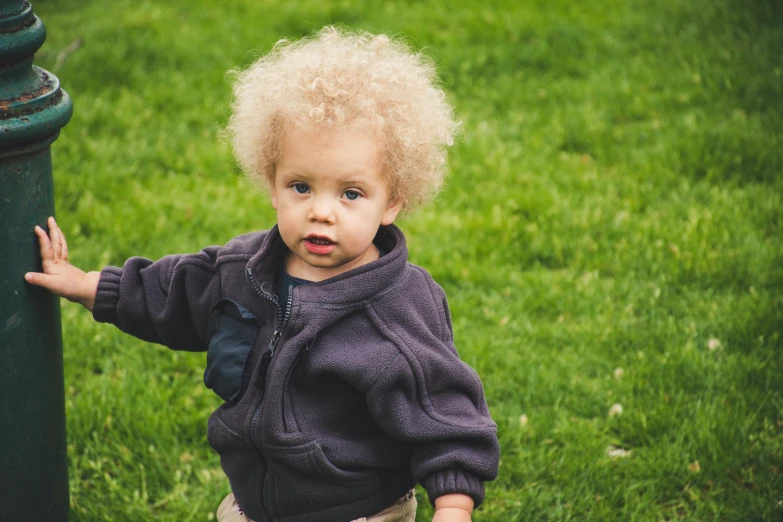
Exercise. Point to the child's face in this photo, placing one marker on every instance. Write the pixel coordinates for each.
(331, 196)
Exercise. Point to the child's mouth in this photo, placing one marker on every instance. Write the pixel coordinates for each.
(319, 245)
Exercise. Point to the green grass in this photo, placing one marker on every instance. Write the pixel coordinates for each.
(616, 201)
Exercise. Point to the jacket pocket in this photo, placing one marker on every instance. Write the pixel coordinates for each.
(244, 470)
(304, 472)
(235, 329)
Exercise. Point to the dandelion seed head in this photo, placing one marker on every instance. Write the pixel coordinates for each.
(616, 409)
(613, 452)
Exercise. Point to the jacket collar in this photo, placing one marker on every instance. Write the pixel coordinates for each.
(349, 288)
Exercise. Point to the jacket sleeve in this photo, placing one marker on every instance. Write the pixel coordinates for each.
(428, 397)
(167, 301)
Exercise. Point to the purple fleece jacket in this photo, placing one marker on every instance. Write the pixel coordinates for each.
(340, 409)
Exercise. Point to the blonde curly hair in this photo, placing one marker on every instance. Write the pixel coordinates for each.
(340, 79)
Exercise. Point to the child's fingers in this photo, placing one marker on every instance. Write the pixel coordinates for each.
(64, 254)
(47, 252)
(39, 279)
(65, 249)
(56, 236)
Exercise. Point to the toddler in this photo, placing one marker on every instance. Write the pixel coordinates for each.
(333, 354)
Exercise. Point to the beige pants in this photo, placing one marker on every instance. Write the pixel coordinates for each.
(404, 510)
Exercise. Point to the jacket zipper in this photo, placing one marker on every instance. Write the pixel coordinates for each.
(266, 358)
(266, 489)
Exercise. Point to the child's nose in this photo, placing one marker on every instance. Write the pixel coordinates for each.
(322, 210)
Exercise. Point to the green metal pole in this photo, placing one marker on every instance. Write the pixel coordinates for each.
(33, 460)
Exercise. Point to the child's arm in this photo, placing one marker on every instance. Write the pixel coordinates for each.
(166, 301)
(427, 397)
(59, 276)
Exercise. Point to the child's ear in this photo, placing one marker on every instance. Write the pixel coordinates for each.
(390, 214)
(273, 196)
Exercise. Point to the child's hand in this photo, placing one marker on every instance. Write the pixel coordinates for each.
(454, 507)
(59, 276)
(451, 515)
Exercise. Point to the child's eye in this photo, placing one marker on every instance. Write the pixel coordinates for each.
(300, 188)
(352, 195)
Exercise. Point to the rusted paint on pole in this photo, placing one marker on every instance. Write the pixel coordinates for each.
(33, 108)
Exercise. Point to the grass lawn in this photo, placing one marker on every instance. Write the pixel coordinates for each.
(610, 234)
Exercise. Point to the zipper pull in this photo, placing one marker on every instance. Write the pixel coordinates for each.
(266, 357)
(273, 343)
